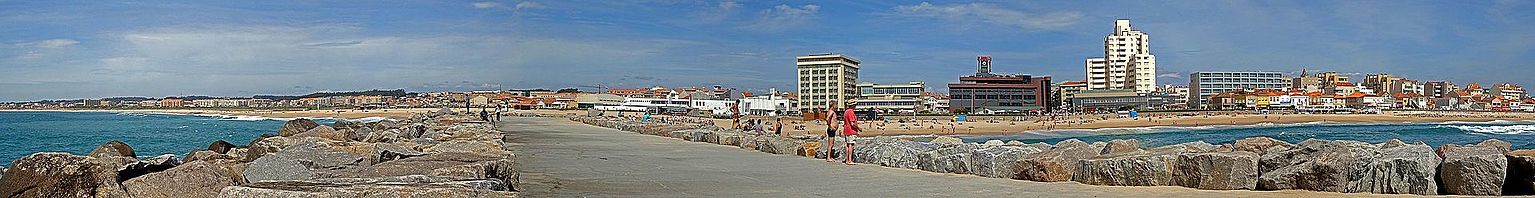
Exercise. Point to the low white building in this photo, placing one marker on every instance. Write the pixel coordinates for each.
(767, 106)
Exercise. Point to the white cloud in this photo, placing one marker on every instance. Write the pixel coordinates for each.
(729, 5)
(486, 5)
(56, 43)
(783, 17)
(991, 14)
(528, 5)
(713, 13)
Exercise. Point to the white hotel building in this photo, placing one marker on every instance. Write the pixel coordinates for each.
(826, 79)
(1127, 62)
(1204, 84)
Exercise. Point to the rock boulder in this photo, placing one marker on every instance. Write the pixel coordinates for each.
(194, 179)
(1318, 165)
(1472, 170)
(1217, 171)
(997, 162)
(1400, 168)
(60, 175)
(220, 147)
(1260, 145)
(947, 140)
(1133, 168)
(296, 126)
(147, 166)
(948, 158)
(1054, 165)
(1121, 146)
(113, 148)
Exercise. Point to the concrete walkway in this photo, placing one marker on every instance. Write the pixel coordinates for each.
(560, 158)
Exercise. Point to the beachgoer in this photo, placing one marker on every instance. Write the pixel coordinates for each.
(850, 130)
(484, 116)
(831, 131)
(778, 127)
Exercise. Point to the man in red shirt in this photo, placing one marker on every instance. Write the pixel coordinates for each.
(850, 130)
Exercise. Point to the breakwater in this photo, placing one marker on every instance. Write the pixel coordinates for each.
(436, 155)
(1488, 167)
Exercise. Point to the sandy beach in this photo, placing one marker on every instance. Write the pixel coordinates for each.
(999, 125)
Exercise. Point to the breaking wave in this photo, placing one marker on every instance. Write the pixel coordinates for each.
(1502, 129)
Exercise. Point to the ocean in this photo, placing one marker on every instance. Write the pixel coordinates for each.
(24, 133)
(1520, 133)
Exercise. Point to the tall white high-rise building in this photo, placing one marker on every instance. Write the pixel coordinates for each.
(1127, 62)
(826, 79)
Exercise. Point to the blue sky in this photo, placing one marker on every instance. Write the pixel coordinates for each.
(53, 50)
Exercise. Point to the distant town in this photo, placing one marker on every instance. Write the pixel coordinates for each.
(1122, 79)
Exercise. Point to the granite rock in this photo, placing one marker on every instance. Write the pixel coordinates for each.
(1473, 170)
(1400, 168)
(1054, 165)
(1134, 168)
(296, 126)
(1217, 170)
(997, 162)
(1318, 165)
(948, 158)
(51, 174)
(194, 179)
(113, 148)
(946, 140)
(1260, 145)
(147, 166)
(1121, 146)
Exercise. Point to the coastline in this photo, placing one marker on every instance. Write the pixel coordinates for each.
(1096, 125)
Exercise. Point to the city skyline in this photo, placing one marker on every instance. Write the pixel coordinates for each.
(60, 50)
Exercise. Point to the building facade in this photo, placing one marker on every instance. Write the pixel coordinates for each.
(1202, 85)
(1439, 89)
(1127, 62)
(1508, 91)
(891, 97)
(1064, 92)
(826, 79)
(986, 93)
(1121, 99)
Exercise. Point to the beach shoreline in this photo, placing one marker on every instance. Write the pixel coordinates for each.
(1090, 125)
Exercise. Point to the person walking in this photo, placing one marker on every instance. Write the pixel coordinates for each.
(831, 131)
(850, 130)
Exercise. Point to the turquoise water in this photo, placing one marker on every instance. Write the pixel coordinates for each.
(1520, 133)
(24, 133)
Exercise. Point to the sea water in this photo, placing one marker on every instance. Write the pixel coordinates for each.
(1520, 133)
(24, 133)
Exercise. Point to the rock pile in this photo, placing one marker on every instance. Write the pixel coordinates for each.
(1256, 163)
(430, 156)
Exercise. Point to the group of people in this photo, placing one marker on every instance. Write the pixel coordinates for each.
(490, 117)
(849, 131)
(760, 126)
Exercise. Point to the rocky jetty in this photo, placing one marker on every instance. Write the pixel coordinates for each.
(1256, 163)
(425, 156)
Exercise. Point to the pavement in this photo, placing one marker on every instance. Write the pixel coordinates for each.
(561, 158)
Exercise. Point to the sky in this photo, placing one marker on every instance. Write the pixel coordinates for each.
(66, 50)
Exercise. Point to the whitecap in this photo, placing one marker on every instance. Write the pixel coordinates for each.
(1503, 129)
